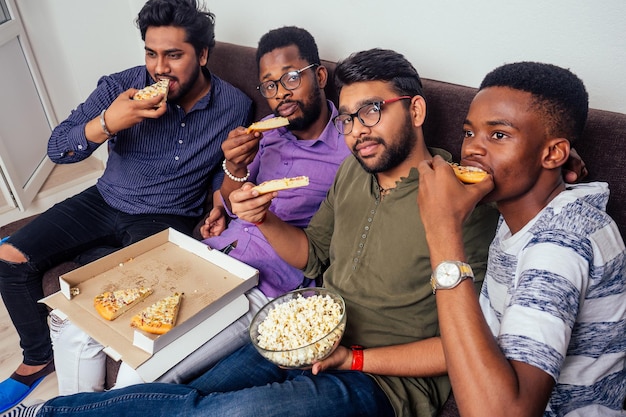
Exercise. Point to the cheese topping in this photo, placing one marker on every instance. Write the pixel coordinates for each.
(120, 298)
(160, 87)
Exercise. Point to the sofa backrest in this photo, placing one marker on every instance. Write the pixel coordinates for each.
(601, 147)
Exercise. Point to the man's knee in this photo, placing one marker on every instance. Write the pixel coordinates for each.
(10, 254)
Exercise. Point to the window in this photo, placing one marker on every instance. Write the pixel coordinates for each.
(4, 12)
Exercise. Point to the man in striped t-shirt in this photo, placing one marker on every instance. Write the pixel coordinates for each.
(548, 334)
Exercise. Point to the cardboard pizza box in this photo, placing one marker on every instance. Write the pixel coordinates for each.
(213, 285)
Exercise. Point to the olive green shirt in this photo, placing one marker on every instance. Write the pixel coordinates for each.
(376, 256)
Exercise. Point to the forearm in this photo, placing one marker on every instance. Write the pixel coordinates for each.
(68, 143)
(94, 131)
(81, 133)
(289, 242)
(228, 186)
(217, 200)
(421, 359)
(474, 360)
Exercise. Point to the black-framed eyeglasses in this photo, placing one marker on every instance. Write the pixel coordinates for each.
(368, 115)
(289, 80)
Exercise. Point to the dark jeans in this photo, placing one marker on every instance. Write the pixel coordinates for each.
(65, 231)
(243, 384)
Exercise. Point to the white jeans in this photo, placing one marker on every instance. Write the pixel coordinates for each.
(81, 364)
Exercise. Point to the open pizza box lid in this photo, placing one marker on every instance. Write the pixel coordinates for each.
(213, 285)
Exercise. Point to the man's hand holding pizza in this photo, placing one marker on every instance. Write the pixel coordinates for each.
(445, 202)
(240, 148)
(123, 113)
(249, 205)
(242, 144)
(289, 242)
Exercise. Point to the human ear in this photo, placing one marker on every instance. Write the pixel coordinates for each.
(204, 57)
(322, 76)
(557, 153)
(418, 110)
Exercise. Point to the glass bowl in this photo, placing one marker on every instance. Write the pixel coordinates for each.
(300, 327)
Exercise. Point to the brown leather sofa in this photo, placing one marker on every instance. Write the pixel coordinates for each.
(602, 147)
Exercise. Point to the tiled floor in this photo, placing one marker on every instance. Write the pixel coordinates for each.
(11, 356)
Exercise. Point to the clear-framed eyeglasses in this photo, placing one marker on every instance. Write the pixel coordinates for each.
(289, 80)
(368, 115)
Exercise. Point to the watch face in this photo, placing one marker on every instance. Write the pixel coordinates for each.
(447, 274)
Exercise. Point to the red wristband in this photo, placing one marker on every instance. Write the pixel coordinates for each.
(357, 358)
(260, 222)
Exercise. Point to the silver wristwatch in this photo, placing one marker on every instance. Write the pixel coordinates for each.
(449, 274)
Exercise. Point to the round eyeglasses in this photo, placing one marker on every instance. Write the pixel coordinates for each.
(289, 80)
(368, 115)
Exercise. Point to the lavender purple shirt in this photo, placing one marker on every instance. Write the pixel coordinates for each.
(282, 155)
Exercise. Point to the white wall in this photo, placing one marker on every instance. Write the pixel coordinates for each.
(77, 41)
(457, 41)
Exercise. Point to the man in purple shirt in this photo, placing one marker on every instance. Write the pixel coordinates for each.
(292, 80)
(162, 161)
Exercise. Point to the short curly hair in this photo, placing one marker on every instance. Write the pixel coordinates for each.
(287, 36)
(558, 94)
(199, 23)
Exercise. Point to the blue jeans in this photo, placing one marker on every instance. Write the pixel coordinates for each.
(243, 384)
(80, 224)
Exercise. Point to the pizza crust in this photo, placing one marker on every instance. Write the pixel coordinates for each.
(281, 184)
(268, 124)
(112, 304)
(160, 317)
(158, 88)
(468, 174)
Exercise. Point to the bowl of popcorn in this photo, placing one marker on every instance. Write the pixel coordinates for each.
(299, 328)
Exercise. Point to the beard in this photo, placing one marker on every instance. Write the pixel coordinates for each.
(186, 87)
(393, 154)
(311, 110)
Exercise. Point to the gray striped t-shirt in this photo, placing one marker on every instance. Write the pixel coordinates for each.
(555, 298)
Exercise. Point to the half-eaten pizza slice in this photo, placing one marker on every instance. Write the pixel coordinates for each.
(268, 124)
(281, 184)
(160, 317)
(112, 304)
(158, 88)
(468, 174)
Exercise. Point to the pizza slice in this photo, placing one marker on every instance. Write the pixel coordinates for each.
(468, 174)
(281, 184)
(268, 124)
(112, 304)
(158, 88)
(160, 317)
